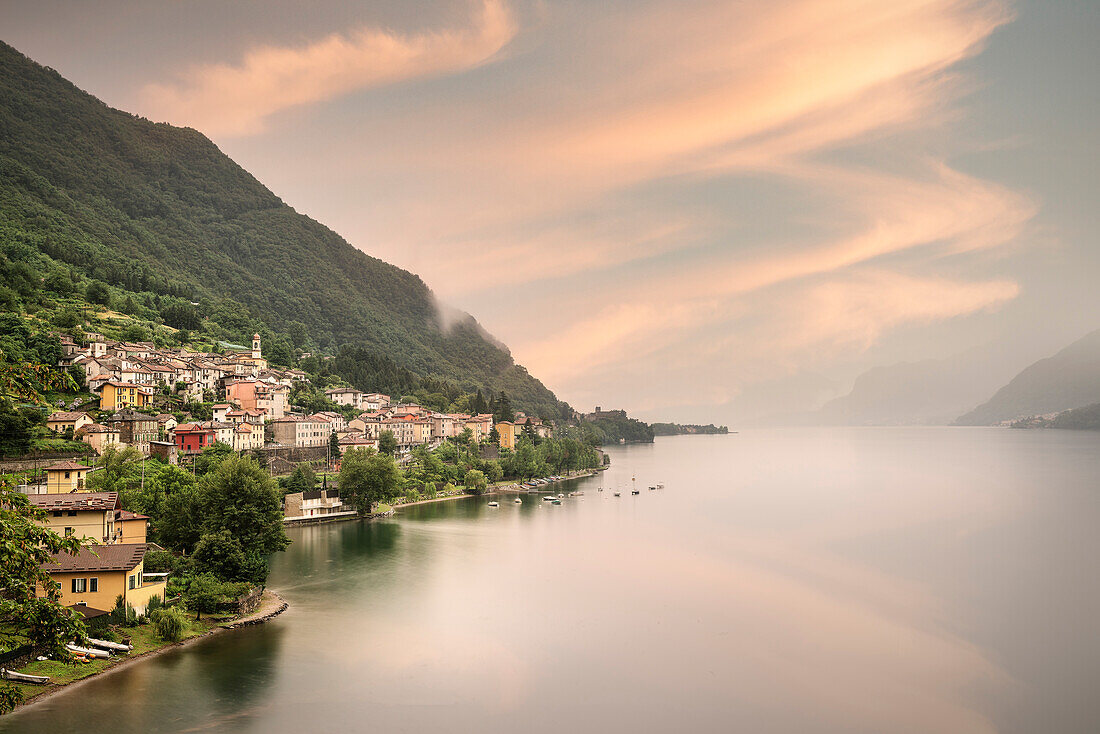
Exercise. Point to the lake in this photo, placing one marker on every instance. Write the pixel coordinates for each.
(800, 580)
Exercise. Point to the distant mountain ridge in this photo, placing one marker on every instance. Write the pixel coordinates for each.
(1067, 380)
(156, 209)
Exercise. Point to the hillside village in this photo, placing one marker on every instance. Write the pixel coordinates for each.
(133, 380)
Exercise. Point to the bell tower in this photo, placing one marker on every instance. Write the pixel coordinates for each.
(255, 346)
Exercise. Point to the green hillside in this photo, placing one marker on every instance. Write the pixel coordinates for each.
(154, 218)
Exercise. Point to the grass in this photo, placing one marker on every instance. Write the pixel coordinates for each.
(142, 637)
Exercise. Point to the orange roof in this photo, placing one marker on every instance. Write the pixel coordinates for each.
(67, 466)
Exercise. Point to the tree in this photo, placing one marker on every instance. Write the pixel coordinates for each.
(476, 482)
(25, 617)
(115, 469)
(387, 443)
(494, 435)
(203, 594)
(98, 292)
(15, 431)
(168, 622)
(368, 477)
(222, 555)
(135, 333)
(504, 409)
(212, 457)
(242, 498)
(334, 445)
(302, 479)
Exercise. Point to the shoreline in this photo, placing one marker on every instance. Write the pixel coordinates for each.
(500, 489)
(255, 618)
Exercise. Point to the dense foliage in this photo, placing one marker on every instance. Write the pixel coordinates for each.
(99, 204)
(25, 617)
(611, 429)
(678, 429)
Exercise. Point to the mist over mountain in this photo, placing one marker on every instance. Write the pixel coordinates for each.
(1066, 380)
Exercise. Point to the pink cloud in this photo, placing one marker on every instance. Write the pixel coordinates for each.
(226, 99)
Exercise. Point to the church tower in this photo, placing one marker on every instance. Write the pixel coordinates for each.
(255, 346)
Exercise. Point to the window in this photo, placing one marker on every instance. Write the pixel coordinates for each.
(57, 513)
(93, 584)
(66, 475)
(80, 586)
(69, 531)
(72, 513)
(133, 581)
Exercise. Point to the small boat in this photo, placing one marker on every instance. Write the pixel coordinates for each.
(561, 496)
(494, 503)
(38, 680)
(556, 502)
(600, 489)
(548, 498)
(576, 494)
(652, 488)
(88, 652)
(635, 491)
(660, 486)
(518, 501)
(107, 645)
(618, 494)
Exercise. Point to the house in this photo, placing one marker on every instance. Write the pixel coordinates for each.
(375, 401)
(369, 423)
(252, 417)
(68, 476)
(166, 422)
(219, 411)
(61, 421)
(130, 526)
(357, 442)
(97, 578)
(223, 432)
(166, 451)
(135, 429)
(336, 420)
(192, 438)
(247, 437)
(507, 432)
(301, 431)
(259, 395)
(116, 395)
(525, 423)
(89, 516)
(99, 437)
(480, 426)
(345, 396)
(314, 503)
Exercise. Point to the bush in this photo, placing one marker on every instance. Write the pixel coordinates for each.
(155, 603)
(123, 614)
(168, 622)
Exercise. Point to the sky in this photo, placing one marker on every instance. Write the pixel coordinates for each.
(695, 210)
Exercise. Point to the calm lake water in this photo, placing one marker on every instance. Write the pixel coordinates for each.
(809, 580)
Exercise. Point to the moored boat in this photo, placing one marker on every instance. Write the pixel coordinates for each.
(494, 503)
(38, 680)
(518, 501)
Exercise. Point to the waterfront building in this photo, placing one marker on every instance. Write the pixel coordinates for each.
(98, 578)
(89, 516)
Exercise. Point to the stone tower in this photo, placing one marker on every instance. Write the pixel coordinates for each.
(255, 346)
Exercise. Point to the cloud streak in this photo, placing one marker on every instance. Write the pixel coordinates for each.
(229, 100)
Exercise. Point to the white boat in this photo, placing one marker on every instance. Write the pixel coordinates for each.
(635, 491)
(518, 501)
(494, 503)
(660, 486)
(90, 652)
(548, 498)
(576, 494)
(38, 680)
(561, 496)
(107, 645)
(618, 494)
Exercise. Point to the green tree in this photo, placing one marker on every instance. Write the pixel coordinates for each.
(222, 555)
(180, 525)
(203, 595)
(334, 445)
(368, 477)
(476, 482)
(242, 498)
(98, 292)
(25, 616)
(387, 443)
(116, 469)
(302, 479)
(168, 623)
(212, 457)
(16, 431)
(504, 409)
(135, 333)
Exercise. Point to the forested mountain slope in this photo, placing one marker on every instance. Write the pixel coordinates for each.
(100, 194)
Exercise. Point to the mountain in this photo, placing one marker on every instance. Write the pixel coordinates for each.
(1069, 379)
(93, 194)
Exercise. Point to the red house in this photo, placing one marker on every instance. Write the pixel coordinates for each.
(192, 438)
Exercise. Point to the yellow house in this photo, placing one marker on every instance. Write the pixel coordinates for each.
(87, 515)
(68, 476)
(114, 395)
(99, 437)
(131, 526)
(62, 420)
(97, 575)
(507, 431)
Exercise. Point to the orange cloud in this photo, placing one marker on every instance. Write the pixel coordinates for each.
(224, 99)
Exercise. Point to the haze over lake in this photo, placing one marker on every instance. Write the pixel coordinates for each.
(825, 580)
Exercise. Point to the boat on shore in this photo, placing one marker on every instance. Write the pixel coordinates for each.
(108, 645)
(89, 652)
(38, 680)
